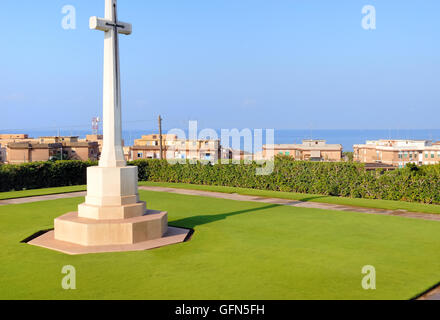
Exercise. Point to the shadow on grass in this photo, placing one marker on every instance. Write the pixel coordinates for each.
(192, 222)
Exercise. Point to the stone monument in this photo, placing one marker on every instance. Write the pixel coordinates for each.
(112, 217)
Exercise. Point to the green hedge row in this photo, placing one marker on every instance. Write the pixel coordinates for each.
(37, 175)
(414, 184)
(347, 179)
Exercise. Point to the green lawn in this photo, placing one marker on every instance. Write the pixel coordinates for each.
(367, 203)
(40, 192)
(240, 250)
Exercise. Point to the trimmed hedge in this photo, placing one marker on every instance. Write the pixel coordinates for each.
(37, 175)
(413, 184)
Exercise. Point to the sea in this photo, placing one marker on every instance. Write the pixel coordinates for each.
(347, 137)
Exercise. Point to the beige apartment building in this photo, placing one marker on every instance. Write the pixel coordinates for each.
(99, 139)
(22, 149)
(11, 138)
(75, 148)
(24, 152)
(398, 153)
(148, 147)
(237, 155)
(309, 150)
(6, 139)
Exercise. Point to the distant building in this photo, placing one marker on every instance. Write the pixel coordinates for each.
(2, 153)
(82, 150)
(226, 153)
(58, 139)
(74, 148)
(398, 153)
(24, 152)
(127, 153)
(47, 148)
(309, 150)
(5, 139)
(240, 155)
(148, 147)
(9, 138)
(13, 137)
(98, 138)
(95, 138)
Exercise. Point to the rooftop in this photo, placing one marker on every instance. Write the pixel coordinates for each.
(399, 144)
(31, 145)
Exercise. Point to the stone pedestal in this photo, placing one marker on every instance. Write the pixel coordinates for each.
(112, 213)
(112, 193)
(112, 218)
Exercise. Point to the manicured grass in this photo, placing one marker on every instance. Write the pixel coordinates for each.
(40, 192)
(367, 203)
(240, 250)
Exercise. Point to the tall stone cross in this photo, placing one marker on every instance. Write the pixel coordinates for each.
(112, 152)
(112, 218)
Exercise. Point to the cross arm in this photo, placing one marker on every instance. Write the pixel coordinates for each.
(106, 25)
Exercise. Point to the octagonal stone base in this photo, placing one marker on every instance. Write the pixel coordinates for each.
(89, 232)
(172, 236)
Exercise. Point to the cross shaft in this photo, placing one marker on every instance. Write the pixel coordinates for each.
(112, 154)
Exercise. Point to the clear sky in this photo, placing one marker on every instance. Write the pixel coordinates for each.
(283, 64)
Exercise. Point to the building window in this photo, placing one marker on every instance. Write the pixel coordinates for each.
(432, 155)
(287, 153)
(140, 155)
(426, 155)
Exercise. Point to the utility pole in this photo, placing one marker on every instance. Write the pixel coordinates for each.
(59, 137)
(160, 137)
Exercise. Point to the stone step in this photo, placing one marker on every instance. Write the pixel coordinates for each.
(128, 211)
(90, 232)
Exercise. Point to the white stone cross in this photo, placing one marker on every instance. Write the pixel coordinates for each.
(112, 154)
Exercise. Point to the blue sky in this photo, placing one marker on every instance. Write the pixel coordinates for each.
(284, 64)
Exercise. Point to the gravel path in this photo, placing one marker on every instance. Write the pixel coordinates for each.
(293, 203)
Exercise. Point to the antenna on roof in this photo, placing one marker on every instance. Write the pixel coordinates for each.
(95, 125)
